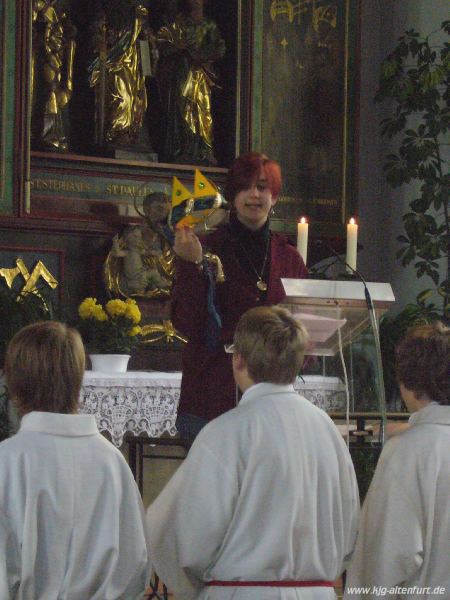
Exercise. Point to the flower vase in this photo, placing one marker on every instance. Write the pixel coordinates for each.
(109, 363)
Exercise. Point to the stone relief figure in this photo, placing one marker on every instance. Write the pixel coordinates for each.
(53, 50)
(188, 47)
(140, 262)
(116, 73)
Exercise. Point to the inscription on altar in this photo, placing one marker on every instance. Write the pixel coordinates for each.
(60, 185)
(90, 189)
(319, 201)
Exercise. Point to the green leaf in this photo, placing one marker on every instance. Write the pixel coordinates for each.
(420, 205)
(431, 79)
(423, 296)
(434, 276)
(444, 287)
(388, 68)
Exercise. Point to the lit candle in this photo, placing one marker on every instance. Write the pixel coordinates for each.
(352, 244)
(302, 238)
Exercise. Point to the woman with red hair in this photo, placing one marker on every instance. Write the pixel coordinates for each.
(254, 260)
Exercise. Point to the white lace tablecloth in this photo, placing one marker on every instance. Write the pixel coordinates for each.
(328, 393)
(135, 401)
(146, 402)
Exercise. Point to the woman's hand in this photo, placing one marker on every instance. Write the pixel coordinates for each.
(187, 245)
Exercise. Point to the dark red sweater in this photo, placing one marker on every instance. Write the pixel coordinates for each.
(207, 387)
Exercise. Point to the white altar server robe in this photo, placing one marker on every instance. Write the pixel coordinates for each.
(71, 518)
(267, 492)
(404, 537)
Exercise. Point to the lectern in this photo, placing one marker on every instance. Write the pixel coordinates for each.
(344, 341)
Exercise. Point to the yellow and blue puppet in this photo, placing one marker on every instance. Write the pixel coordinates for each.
(202, 210)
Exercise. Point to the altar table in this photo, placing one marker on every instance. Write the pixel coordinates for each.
(146, 402)
(138, 402)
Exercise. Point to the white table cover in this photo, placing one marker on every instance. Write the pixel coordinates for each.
(135, 401)
(328, 393)
(146, 402)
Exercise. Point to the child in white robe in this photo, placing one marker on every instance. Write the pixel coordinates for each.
(403, 547)
(71, 517)
(266, 503)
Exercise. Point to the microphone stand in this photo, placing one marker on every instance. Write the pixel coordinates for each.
(376, 334)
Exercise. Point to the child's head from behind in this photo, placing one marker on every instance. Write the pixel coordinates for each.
(271, 343)
(44, 366)
(423, 362)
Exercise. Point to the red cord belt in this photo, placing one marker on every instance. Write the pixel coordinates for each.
(218, 583)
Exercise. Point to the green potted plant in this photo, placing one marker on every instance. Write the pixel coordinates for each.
(415, 78)
(17, 309)
(109, 331)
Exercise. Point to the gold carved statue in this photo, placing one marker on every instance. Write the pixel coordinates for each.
(53, 50)
(116, 75)
(140, 263)
(188, 47)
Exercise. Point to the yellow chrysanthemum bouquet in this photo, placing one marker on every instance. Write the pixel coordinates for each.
(112, 329)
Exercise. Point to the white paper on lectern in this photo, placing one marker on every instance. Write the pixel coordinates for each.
(339, 290)
(296, 288)
(320, 329)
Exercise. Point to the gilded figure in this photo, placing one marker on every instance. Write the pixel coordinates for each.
(53, 50)
(188, 49)
(116, 74)
(140, 262)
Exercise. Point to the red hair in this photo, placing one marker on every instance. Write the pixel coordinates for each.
(245, 171)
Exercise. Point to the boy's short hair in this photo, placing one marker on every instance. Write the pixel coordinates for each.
(423, 361)
(44, 366)
(272, 343)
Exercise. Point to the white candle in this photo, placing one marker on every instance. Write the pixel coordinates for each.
(352, 244)
(302, 238)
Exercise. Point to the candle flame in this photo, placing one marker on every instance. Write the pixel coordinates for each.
(303, 220)
(352, 221)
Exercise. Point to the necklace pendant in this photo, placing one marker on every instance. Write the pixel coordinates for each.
(261, 285)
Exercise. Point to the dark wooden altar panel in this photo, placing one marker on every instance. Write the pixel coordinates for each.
(288, 87)
(303, 105)
(81, 188)
(92, 192)
(75, 203)
(289, 80)
(68, 257)
(2, 103)
(158, 356)
(72, 205)
(80, 114)
(7, 58)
